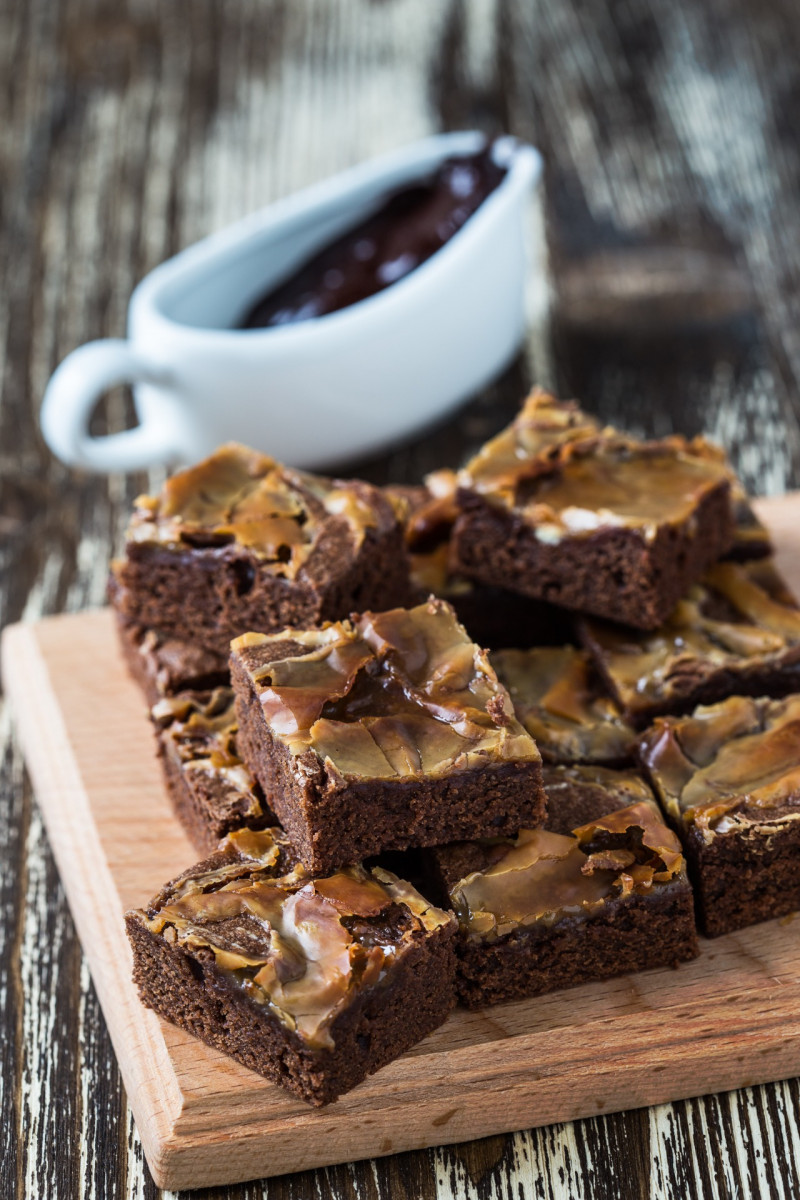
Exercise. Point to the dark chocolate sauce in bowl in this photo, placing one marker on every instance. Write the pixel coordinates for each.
(405, 231)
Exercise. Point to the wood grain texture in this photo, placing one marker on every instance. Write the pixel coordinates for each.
(730, 1018)
(130, 129)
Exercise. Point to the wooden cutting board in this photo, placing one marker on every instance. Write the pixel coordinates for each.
(730, 1019)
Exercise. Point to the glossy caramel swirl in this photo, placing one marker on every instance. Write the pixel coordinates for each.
(388, 694)
(200, 733)
(728, 765)
(738, 615)
(303, 948)
(563, 475)
(540, 435)
(240, 496)
(541, 877)
(560, 704)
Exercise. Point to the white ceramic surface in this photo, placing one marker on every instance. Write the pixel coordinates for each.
(325, 390)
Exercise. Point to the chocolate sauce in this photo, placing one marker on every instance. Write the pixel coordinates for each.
(410, 227)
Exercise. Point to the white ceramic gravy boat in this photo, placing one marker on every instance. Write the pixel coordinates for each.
(325, 390)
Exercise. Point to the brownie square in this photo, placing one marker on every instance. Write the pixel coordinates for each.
(728, 776)
(737, 631)
(383, 732)
(240, 542)
(594, 521)
(600, 891)
(313, 983)
(558, 697)
(211, 789)
(164, 665)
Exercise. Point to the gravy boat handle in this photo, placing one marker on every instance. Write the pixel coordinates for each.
(74, 390)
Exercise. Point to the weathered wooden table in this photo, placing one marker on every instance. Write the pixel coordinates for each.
(672, 249)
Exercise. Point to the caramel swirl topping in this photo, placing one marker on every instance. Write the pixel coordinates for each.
(733, 762)
(559, 702)
(564, 475)
(388, 694)
(300, 947)
(737, 614)
(543, 877)
(201, 735)
(238, 496)
(541, 433)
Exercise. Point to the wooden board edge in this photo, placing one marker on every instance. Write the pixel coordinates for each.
(680, 1028)
(186, 1162)
(150, 1081)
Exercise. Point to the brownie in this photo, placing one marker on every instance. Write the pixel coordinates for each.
(558, 697)
(313, 983)
(737, 631)
(494, 617)
(386, 731)
(594, 521)
(728, 776)
(164, 665)
(211, 789)
(240, 542)
(600, 891)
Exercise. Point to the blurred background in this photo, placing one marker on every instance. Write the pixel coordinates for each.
(667, 235)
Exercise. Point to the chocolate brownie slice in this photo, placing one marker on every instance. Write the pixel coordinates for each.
(313, 983)
(737, 631)
(600, 891)
(386, 731)
(163, 665)
(728, 776)
(592, 521)
(240, 542)
(558, 697)
(211, 789)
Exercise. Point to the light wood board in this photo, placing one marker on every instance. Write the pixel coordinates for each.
(730, 1019)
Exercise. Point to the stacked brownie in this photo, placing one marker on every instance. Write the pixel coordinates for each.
(677, 604)
(384, 732)
(381, 732)
(240, 542)
(316, 653)
(362, 727)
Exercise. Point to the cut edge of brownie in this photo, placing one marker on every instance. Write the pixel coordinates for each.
(204, 827)
(630, 934)
(744, 877)
(614, 573)
(203, 671)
